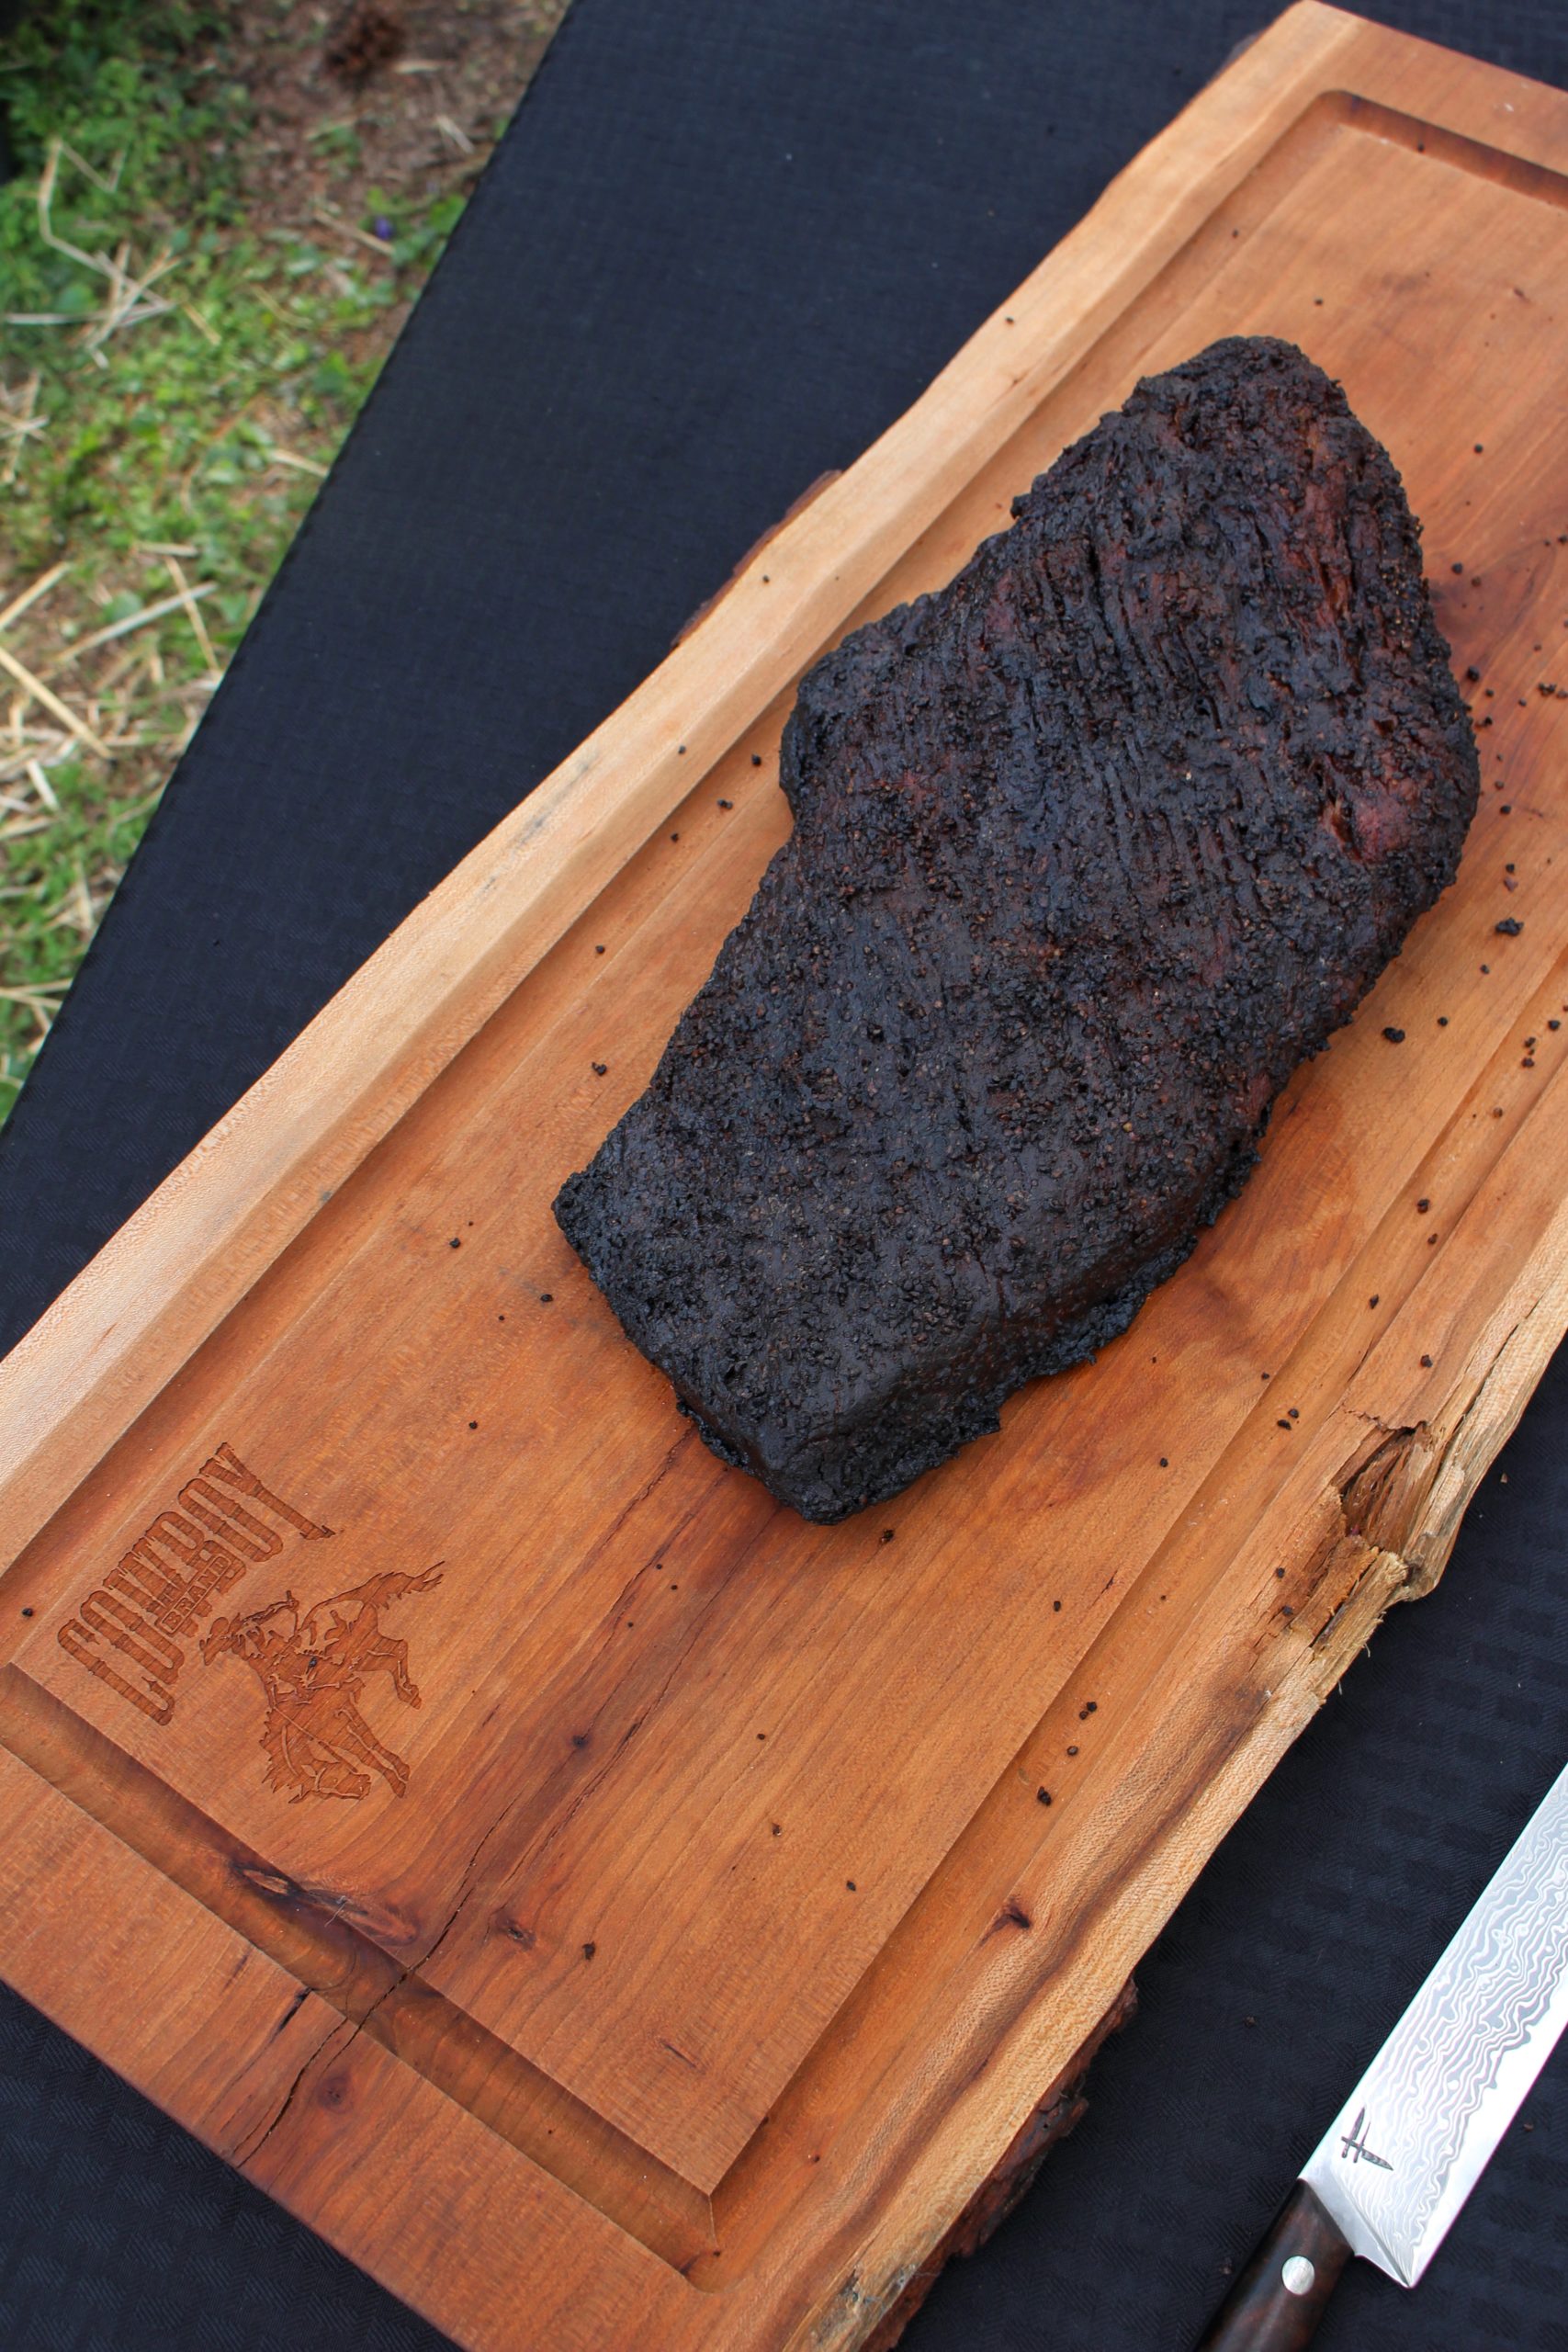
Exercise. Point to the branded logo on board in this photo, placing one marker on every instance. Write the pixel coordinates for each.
(311, 1669)
(223, 1521)
(312, 1665)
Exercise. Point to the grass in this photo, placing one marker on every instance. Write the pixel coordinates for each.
(179, 362)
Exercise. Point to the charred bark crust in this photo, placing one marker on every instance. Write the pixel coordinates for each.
(1091, 849)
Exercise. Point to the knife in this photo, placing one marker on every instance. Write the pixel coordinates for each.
(1415, 2135)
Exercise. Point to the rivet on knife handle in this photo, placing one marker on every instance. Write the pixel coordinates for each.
(1277, 2303)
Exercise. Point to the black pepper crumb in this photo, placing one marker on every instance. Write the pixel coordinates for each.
(26, 1612)
(888, 1533)
(1163, 1463)
(1442, 1020)
(1285, 1426)
(674, 837)
(727, 804)
(1281, 1574)
(473, 1425)
(778, 1829)
(1554, 1024)
(1294, 1411)
(1426, 1363)
(1056, 1605)
(1373, 1300)
(1422, 1207)
(679, 747)
(455, 1243)
(1474, 674)
(1286, 1609)
(598, 951)
(1072, 1751)
(1456, 567)
(1041, 1796)
(599, 1069)
(589, 1950)
(850, 1884)
(756, 759)
(1394, 1037)
(1510, 926)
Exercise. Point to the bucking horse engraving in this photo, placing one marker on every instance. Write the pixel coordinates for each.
(312, 1670)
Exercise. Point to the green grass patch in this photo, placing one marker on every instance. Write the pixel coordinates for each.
(175, 376)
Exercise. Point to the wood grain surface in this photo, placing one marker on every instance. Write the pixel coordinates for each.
(613, 1911)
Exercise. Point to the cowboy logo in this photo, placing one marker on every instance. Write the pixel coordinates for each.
(312, 1670)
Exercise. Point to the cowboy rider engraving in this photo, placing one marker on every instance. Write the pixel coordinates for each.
(312, 1670)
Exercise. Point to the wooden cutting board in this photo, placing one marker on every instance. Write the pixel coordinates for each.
(613, 1911)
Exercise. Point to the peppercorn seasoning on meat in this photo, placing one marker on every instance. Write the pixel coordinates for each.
(1091, 849)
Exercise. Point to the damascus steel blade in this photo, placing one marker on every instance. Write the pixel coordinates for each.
(1417, 2132)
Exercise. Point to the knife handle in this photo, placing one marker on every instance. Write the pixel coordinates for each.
(1277, 2303)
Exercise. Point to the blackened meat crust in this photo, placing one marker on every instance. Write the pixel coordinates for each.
(1090, 849)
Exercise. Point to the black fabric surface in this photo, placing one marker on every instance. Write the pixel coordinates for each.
(723, 244)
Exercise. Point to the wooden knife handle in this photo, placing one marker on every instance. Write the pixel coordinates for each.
(1277, 2303)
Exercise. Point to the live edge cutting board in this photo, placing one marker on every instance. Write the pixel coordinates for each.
(614, 1912)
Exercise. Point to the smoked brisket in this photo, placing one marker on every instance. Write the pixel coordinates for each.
(1091, 848)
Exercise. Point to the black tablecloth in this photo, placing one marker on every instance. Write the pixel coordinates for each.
(723, 244)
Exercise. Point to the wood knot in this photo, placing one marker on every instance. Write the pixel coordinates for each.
(265, 1882)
